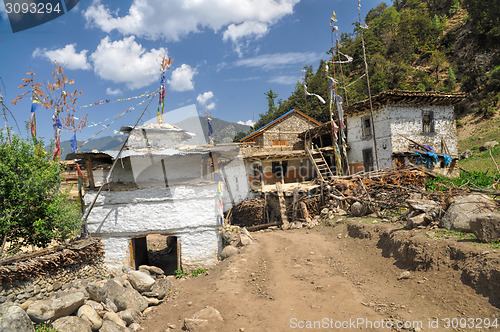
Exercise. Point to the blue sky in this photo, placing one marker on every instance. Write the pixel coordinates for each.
(227, 54)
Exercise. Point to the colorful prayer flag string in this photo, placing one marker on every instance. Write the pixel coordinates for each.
(116, 117)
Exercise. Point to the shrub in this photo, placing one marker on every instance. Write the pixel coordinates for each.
(33, 210)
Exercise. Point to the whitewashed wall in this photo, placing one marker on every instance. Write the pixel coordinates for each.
(407, 120)
(188, 212)
(382, 123)
(391, 121)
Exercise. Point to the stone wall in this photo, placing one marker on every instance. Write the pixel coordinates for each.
(39, 275)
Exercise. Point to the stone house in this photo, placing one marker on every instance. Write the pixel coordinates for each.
(163, 187)
(275, 152)
(404, 121)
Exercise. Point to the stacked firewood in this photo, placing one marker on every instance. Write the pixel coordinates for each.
(250, 212)
(383, 191)
(30, 265)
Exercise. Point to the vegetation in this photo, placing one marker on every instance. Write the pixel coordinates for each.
(44, 328)
(411, 45)
(179, 274)
(471, 179)
(33, 211)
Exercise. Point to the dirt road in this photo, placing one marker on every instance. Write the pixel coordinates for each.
(321, 280)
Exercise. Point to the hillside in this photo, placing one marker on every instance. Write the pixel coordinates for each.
(443, 45)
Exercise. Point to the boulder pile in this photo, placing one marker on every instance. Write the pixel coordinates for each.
(114, 304)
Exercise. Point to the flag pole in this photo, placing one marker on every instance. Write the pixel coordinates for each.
(5, 119)
(368, 85)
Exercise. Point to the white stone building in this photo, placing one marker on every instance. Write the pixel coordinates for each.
(160, 186)
(401, 120)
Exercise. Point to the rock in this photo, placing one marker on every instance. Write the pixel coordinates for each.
(416, 221)
(228, 252)
(228, 236)
(358, 209)
(26, 304)
(134, 327)
(140, 281)
(130, 316)
(246, 232)
(109, 326)
(465, 154)
(14, 319)
(71, 324)
(152, 269)
(94, 305)
(404, 275)
(245, 240)
(44, 310)
(486, 226)
(194, 324)
(487, 145)
(423, 205)
(147, 311)
(462, 209)
(96, 293)
(161, 287)
(113, 317)
(110, 305)
(152, 301)
(88, 313)
(125, 298)
(209, 313)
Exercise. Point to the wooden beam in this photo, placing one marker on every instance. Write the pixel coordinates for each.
(282, 203)
(90, 174)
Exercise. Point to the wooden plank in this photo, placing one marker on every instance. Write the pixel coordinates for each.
(303, 208)
(294, 204)
(90, 174)
(282, 203)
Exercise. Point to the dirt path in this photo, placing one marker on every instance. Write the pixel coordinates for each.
(287, 280)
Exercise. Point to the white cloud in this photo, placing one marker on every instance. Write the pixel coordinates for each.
(66, 57)
(279, 60)
(182, 78)
(285, 79)
(174, 19)
(204, 98)
(112, 92)
(248, 123)
(246, 29)
(126, 61)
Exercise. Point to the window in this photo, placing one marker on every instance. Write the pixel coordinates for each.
(279, 142)
(366, 125)
(279, 169)
(427, 121)
(368, 159)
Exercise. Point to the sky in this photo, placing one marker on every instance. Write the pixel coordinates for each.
(227, 55)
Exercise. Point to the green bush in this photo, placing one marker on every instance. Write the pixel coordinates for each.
(33, 210)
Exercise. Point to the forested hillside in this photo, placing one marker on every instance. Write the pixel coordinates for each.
(443, 45)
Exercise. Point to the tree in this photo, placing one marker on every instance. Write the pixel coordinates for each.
(33, 211)
(238, 136)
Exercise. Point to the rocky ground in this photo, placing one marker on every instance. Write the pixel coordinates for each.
(322, 278)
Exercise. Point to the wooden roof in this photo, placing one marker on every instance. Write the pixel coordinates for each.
(398, 97)
(281, 118)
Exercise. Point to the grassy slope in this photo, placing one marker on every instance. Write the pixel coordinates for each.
(475, 132)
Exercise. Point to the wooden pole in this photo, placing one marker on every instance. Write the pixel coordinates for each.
(368, 85)
(5, 119)
(85, 217)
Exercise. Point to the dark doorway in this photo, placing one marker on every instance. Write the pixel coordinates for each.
(157, 250)
(368, 160)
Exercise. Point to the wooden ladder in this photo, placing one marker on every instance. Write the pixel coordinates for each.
(320, 164)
